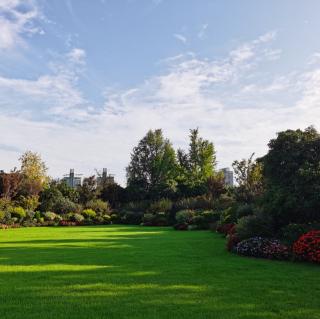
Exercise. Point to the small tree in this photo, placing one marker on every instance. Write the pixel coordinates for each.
(33, 174)
(248, 175)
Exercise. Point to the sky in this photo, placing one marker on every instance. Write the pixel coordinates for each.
(82, 81)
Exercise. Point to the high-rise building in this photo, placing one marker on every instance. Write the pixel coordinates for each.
(73, 180)
(228, 176)
(104, 178)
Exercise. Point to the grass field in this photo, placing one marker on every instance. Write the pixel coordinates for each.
(140, 272)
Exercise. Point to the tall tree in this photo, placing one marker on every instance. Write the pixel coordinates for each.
(248, 175)
(153, 165)
(88, 190)
(292, 174)
(199, 163)
(33, 174)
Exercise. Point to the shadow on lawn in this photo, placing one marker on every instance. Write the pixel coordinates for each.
(137, 274)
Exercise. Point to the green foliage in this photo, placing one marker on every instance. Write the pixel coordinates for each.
(162, 205)
(249, 177)
(291, 233)
(244, 210)
(138, 206)
(49, 216)
(227, 216)
(78, 218)
(131, 217)
(2, 216)
(153, 166)
(112, 193)
(64, 205)
(292, 174)
(99, 206)
(34, 174)
(89, 213)
(49, 197)
(88, 190)
(185, 216)
(199, 164)
(29, 202)
(198, 202)
(254, 225)
(18, 212)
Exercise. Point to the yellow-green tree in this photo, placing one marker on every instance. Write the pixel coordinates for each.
(33, 174)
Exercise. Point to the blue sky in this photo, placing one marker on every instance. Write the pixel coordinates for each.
(82, 81)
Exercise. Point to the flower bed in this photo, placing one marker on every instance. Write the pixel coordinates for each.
(307, 247)
(263, 248)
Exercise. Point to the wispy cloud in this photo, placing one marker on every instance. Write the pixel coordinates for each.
(180, 37)
(17, 18)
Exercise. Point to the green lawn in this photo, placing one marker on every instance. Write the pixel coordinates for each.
(140, 272)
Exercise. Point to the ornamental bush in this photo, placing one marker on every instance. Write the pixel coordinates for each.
(307, 247)
(162, 205)
(77, 218)
(254, 226)
(49, 216)
(18, 212)
(262, 248)
(185, 216)
(99, 206)
(89, 213)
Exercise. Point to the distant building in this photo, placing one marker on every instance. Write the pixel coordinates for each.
(105, 178)
(228, 176)
(73, 180)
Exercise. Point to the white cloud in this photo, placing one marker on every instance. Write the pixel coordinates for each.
(17, 18)
(77, 55)
(220, 96)
(180, 37)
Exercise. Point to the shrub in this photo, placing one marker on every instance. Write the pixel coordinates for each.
(244, 210)
(29, 202)
(89, 213)
(203, 220)
(138, 206)
(114, 218)
(162, 205)
(77, 218)
(263, 248)
(148, 219)
(131, 218)
(227, 216)
(185, 216)
(253, 226)
(49, 216)
(292, 232)
(18, 212)
(2, 216)
(198, 202)
(99, 206)
(307, 247)
(64, 206)
(106, 219)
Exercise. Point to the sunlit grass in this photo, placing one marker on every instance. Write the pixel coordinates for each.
(136, 272)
